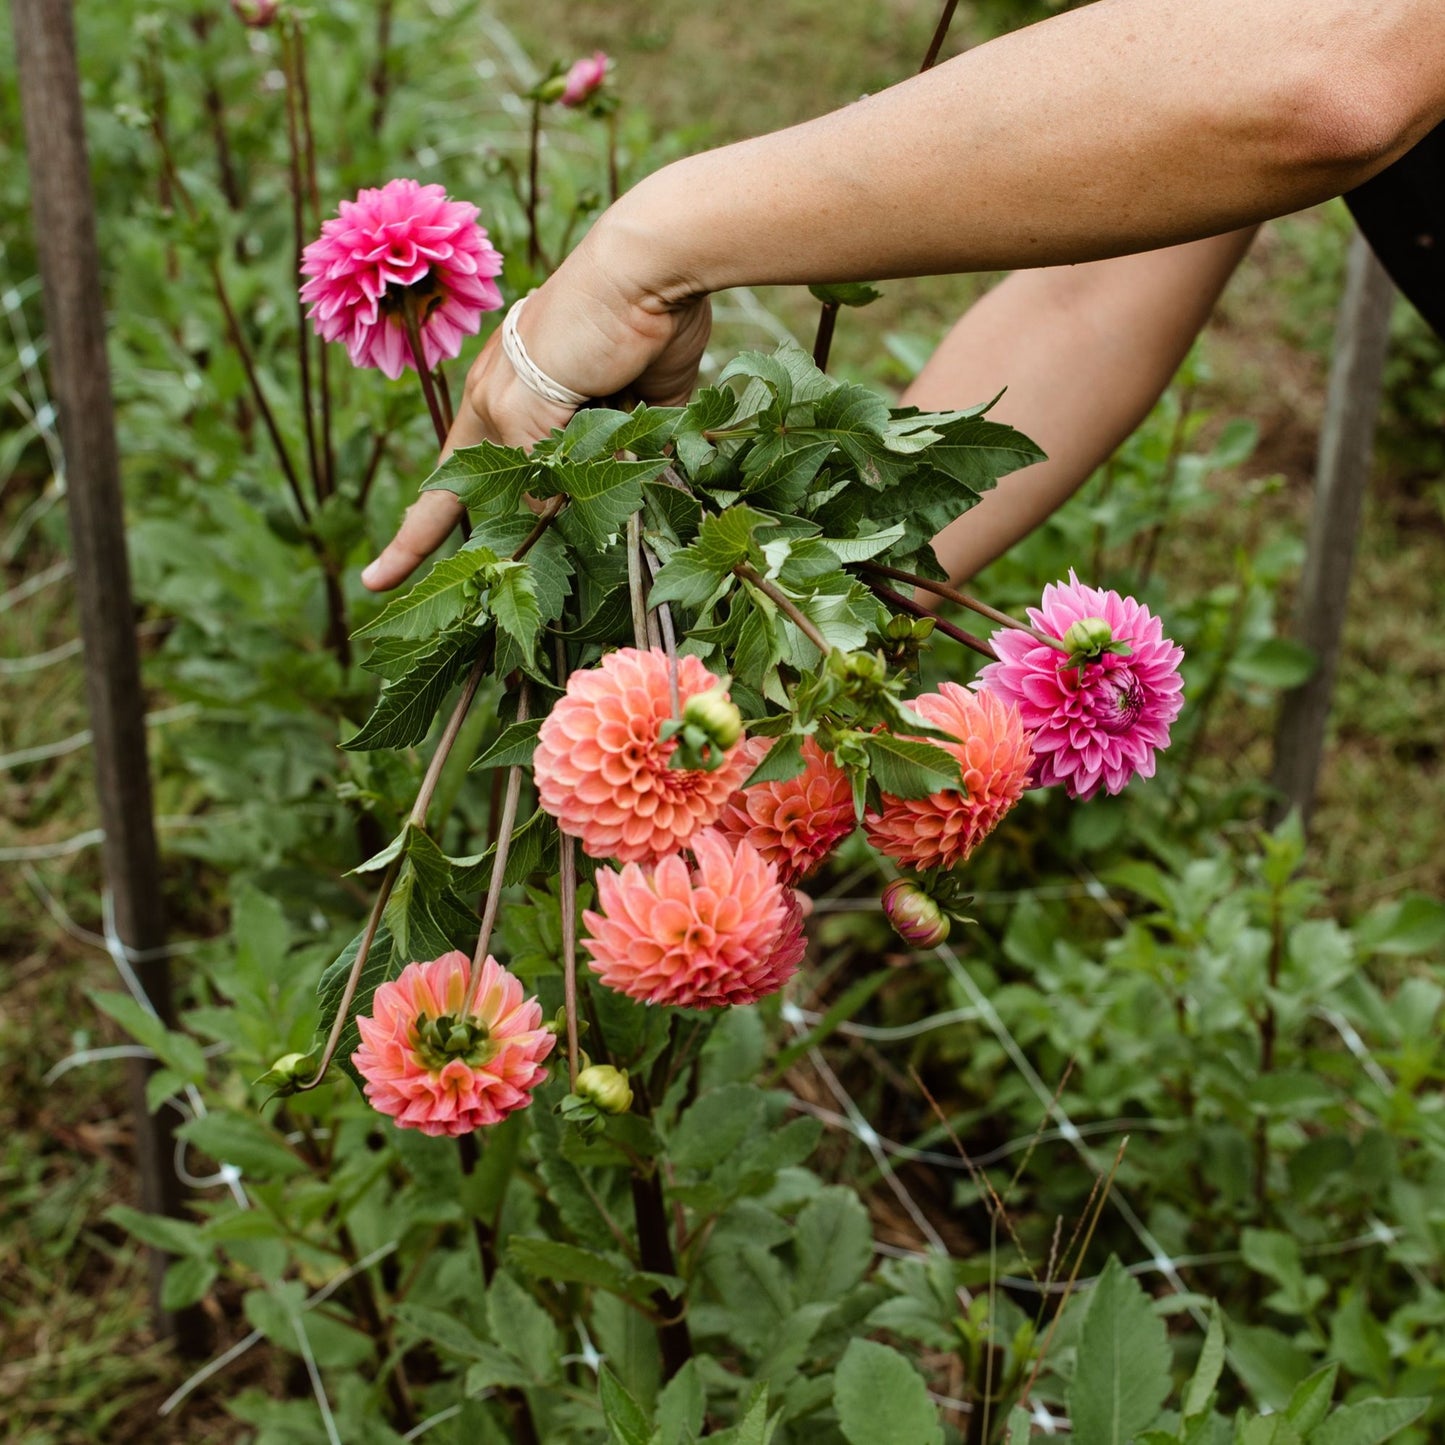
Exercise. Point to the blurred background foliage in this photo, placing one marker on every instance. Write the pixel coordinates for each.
(1261, 1018)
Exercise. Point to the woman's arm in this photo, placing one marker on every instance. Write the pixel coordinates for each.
(1085, 351)
(1121, 127)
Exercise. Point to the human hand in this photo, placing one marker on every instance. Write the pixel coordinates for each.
(595, 328)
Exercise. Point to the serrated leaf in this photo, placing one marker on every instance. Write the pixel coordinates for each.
(1310, 1403)
(1370, 1422)
(522, 1327)
(978, 452)
(379, 967)
(448, 592)
(514, 746)
(833, 1239)
(681, 1406)
(1121, 1372)
(552, 1259)
(604, 493)
(846, 293)
(692, 576)
(882, 1400)
(534, 846)
(175, 1236)
(909, 767)
(1018, 1427)
(513, 601)
(782, 762)
(627, 1422)
(1206, 1373)
(244, 1141)
(441, 1328)
(186, 1282)
(404, 712)
(486, 477)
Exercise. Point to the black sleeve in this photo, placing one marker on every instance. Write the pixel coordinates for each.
(1402, 213)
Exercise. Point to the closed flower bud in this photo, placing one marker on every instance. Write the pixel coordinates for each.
(606, 1087)
(287, 1072)
(915, 917)
(258, 14)
(1088, 637)
(715, 715)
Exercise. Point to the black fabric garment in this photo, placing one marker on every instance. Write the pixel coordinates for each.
(1402, 213)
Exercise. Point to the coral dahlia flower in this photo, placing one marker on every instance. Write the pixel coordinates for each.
(797, 823)
(403, 245)
(723, 932)
(1096, 723)
(433, 1070)
(942, 831)
(603, 774)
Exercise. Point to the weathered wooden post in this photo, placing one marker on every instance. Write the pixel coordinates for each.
(1347, 443)
(63, 209)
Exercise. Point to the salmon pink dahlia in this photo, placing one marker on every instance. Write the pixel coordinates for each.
(402, 247)
(433, 1070)
(797, 823)
(603, 774)
(724, 932)
(942, 831)
(1097, 719)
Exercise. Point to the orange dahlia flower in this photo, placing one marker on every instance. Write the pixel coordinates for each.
(995, 755)
(603, 774)
(724, 932)
(433, 1070)
(796, 824)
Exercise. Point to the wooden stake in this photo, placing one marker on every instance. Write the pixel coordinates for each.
(80, 380)
(1347, 443)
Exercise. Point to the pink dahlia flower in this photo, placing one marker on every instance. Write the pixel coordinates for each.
(585, 78)
(603, 774)
(432, 1070)
(724, 932)
(796, 824)
(403, 245)
(942, 831)
(1099, 723)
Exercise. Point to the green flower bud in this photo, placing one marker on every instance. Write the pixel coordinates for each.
(915, 917)
(717, 717)
(550, 89)
(287, 1072)
(606, 1087)
(1088, 637)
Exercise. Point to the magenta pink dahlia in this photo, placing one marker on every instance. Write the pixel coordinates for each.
(942, 830)
(724, 932)
(795, 824)
(1096, 722)
(433, 1070)
(402, 246)
(603, 774)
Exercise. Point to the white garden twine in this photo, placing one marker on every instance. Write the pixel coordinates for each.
(532, 375)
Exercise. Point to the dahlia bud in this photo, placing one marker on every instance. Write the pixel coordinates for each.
(551, 88)
(585, 78)
(258, 14)
(715, 715)
(915, 917)
(287, 1073)
(1089, 639)
(606, 1087)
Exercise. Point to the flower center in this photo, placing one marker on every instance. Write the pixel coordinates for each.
(1121, 697)
(439, 1040)
(422, 297)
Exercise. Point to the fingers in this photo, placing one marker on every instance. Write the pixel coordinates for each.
(425, 528)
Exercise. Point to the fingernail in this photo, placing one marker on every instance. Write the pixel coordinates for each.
(371, 572)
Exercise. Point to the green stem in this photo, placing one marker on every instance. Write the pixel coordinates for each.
(961, 599)
(784, 604)
(917, 609)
